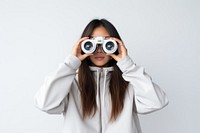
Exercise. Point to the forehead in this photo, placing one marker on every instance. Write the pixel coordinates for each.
(100, 31)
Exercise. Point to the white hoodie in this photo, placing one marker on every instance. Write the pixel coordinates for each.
(60, 94)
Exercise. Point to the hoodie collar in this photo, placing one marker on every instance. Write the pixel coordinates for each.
(108, 69)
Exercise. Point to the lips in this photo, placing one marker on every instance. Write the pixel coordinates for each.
(99, 58)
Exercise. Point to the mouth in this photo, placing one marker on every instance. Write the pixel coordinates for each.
(99, 58)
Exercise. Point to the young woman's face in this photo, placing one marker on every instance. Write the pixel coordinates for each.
(100, 59)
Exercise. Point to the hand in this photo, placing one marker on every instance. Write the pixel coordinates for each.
(121, 49)
(76, 49)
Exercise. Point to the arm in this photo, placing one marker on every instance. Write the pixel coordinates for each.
(148, 96)
(51, 97)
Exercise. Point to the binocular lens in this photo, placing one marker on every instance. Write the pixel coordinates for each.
(88, 46)
(109, 46)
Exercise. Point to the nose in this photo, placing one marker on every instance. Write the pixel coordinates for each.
(99, 49)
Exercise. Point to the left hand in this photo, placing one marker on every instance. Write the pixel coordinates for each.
(121, 49)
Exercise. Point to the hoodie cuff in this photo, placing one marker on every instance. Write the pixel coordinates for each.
(125, 63)
(72, 61)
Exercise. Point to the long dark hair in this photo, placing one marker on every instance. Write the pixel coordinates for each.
(118, 85)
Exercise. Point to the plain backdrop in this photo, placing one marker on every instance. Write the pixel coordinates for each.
(161, 35)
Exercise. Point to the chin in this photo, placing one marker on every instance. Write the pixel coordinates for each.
(101, 65)
(97, 65)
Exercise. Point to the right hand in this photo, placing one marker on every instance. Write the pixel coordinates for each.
(76, 49)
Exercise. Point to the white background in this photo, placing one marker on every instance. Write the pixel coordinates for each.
(161, 35)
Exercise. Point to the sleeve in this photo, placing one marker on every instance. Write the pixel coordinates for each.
(51, 97)
(148, 95)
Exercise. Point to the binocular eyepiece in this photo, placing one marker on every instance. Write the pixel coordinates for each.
(90, 45)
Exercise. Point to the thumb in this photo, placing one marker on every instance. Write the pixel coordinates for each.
(114, 56)
(84, 56)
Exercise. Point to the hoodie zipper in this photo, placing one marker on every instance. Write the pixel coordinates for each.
(99, 96)
(103, 101)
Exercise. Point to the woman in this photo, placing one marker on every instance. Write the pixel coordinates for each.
(99, 92)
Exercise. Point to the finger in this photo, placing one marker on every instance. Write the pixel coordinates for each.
(118, 41)
(82, 57)
(81, 40)
(123, 51)
(122, 48)
(114, 56)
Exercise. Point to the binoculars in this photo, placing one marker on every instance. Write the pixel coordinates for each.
(90, 45)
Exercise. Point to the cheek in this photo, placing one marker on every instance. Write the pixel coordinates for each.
(108, 58)
(91, 58)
